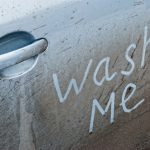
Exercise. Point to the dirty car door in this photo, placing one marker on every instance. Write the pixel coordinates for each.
(95, 72)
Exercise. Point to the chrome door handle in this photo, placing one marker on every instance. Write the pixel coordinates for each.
(22, 54)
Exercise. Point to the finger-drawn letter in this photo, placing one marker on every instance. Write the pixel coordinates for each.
(126, 99)
(146, 43)
(72, 84)
(127, 73)
(111, 103)
(107, 77)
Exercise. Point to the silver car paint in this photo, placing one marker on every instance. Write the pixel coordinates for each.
(79, 32)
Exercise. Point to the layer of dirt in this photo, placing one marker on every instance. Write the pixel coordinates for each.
(134, 135)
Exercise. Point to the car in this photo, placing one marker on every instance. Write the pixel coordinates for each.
(74, 74)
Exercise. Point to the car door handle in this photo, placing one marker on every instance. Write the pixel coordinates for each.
(24, 53)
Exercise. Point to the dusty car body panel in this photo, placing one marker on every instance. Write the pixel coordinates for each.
(95, 48)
